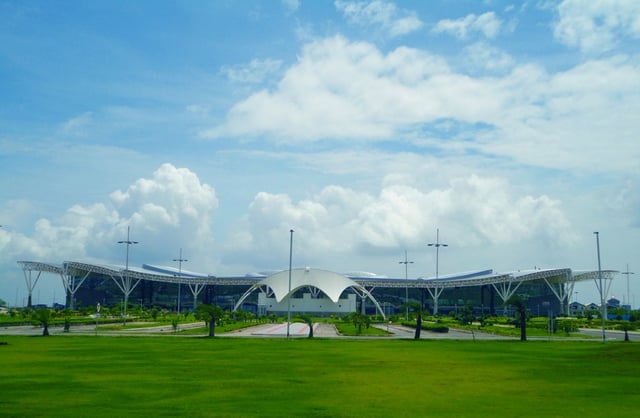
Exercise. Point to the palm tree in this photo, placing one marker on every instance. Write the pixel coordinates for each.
(626, 326)
(358, 320)
(307, 319)
(67, 319)
(209, 314)
(521, 310)
(43, 316)
(417, 307)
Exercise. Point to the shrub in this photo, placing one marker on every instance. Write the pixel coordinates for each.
(435, 328)
(428, 326)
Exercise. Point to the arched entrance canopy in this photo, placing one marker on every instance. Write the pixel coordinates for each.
(330, 283)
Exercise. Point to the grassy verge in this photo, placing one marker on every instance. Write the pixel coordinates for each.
(197, 377)
(347, 328)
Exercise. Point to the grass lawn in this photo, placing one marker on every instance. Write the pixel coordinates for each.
(104, 376)
(347, 328)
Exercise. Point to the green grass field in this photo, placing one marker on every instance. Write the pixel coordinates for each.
(77, 376)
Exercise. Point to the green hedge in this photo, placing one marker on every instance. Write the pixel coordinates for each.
(426, 326)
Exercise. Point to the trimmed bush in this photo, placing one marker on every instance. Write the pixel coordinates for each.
(426, 326)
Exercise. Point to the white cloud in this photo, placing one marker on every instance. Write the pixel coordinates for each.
(487, 57)
(597, 26)
(487, 24)
(169, 210)
(254, 72)
(477, 211)
(338, 89)
(380, 13)
(173, 199)
(350, 90)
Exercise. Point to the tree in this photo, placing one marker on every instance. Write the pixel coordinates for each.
(209, 314)
(43, 317)
(358, 319)
(466, 315)
(307, 319)
(174, 323)
(415, 306)
(521, 311)
(67, 313)
(626, 326)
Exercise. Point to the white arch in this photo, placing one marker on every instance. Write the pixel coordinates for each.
(330, 283)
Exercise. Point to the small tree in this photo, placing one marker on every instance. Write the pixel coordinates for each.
(626, 326)
(415, 306)
(43, 317)
(174, 323)
(521, 312)
(209, 314)
(358, 319)
(67, 313)
(307, 319)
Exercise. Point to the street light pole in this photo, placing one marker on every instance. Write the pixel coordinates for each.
(406, 262)
(627, 273)
(180, 260)
(128, 242)
(289, 293)
(437, 244)
(603, 307)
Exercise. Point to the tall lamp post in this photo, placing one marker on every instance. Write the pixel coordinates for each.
(128, 242)
(437, 244)
(627, 273)
(180, 260)
(603, 307)
(406, 262)
(289, 293)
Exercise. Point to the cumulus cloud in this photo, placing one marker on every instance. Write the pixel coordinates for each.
(174, 199)
(380, 13)
(170, 209)
(484, 56)
(476, 210)
(339, 89)
(487, 24)
(350, 90)
(596, 26)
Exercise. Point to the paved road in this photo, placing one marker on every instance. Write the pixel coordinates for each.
(400, 331)
(329, 331)
(302, 330)
(610, 335)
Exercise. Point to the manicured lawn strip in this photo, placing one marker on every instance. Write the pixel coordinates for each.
(347, 328)
(135, 376)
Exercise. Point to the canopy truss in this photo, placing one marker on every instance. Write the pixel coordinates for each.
(28, 267)
(285, 283)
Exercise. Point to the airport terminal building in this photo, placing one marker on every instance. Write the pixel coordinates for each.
(313, 291)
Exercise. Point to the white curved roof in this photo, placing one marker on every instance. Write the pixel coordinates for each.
(330, 283)
(173, 271)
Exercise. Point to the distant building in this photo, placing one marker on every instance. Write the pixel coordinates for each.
(592, 307)
(613, 303)
(576, 308)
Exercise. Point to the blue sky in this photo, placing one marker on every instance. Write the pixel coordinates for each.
(217, 127)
